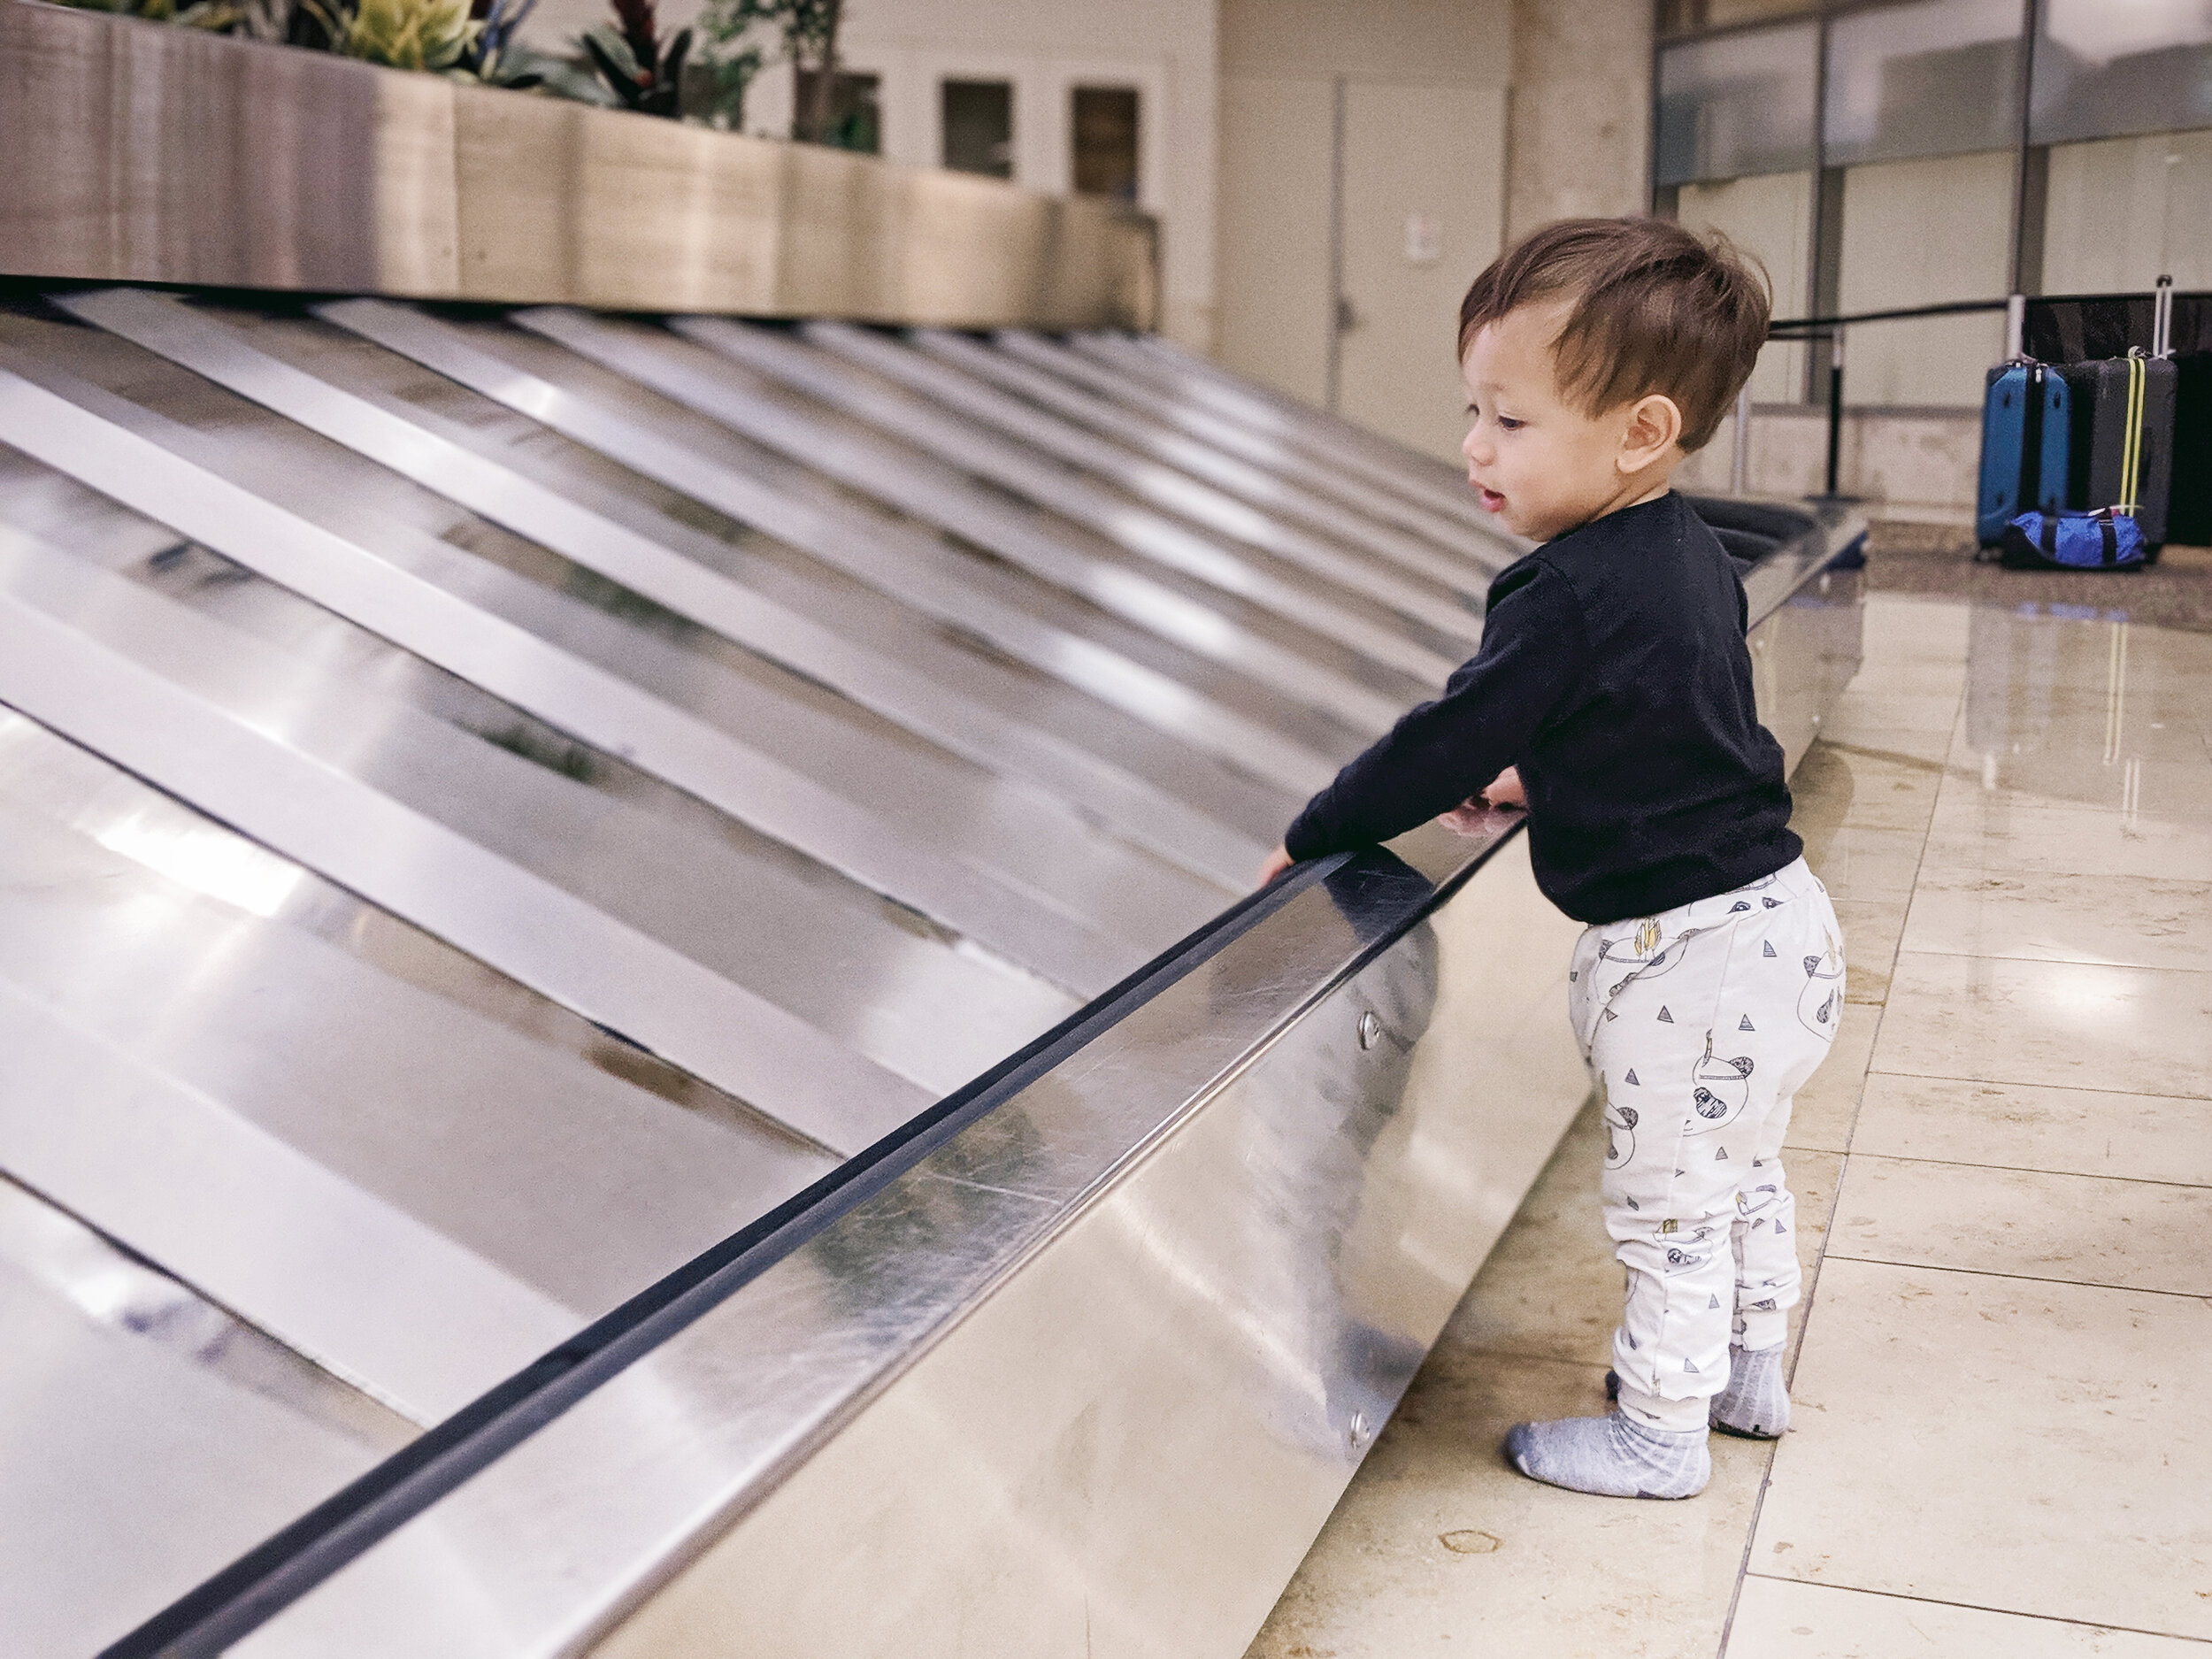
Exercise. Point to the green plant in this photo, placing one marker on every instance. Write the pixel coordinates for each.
(497, 58)
(645, 76)
(407, 34)
(217, 16)
(726, 64)
(807, 32)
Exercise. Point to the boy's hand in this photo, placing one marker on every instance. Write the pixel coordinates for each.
(1472, 817)
(1274, 864)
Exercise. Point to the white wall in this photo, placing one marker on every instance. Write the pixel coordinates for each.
(1422, 85)
(1433, 154)
(1273, 304)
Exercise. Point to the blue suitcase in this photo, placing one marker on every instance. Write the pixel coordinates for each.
(2025, 431)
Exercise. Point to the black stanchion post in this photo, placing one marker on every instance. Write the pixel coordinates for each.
(1835, 408)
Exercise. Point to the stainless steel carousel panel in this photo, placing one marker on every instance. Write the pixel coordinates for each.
(1332, 597)
(406, 1175)
(1431, 483)
(1133, 386)
(663, 564)
(1292, 663)
(562, 689)
(1175, 482)
(1167, 1292)
(1002, 366)
(1135, 673)
(115, 1366)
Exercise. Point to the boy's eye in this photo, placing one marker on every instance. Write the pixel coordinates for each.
(1506, 423)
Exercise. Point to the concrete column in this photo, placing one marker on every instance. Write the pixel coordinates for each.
(1579, 129)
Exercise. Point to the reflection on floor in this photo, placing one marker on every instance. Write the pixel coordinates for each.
(2004, 1388)
(1939, 559)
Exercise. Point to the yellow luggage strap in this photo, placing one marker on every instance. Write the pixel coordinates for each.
(2131, 437)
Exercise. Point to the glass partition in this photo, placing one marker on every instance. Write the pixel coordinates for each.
(1769, 217)
(1738, 104)
(1939, 78)
(1920, 232)
(1692, 17)
(2104, 69)
(2121, 212)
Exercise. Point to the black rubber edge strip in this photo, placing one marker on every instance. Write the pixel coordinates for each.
(259, 1584)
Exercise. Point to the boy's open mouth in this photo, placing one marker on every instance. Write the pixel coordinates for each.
(1490, 499)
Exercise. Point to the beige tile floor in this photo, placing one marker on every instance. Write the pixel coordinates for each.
(2003, 1382)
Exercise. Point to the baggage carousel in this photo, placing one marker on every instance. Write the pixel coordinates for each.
(634, 1021)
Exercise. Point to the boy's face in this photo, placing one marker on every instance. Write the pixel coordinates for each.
(1538, 462)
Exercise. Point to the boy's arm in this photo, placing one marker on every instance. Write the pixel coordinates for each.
(1442, 752)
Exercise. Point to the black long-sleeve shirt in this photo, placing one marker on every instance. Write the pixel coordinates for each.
(1613, 674)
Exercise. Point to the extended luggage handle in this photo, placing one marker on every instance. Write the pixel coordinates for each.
(2163, 319)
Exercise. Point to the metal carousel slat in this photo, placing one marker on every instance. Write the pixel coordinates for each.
(356, 1306)
(417, 868)
(861, 460)
(599, 708)
(1464, 572)
(1428, 483)
(957, 380)
(1137, 811)
(225, 1434)
(413, 1171)
(1129, 386)
(1437, 481)
(941, 426)
(855, 547)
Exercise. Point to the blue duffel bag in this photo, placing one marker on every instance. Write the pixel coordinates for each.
(2100, 540)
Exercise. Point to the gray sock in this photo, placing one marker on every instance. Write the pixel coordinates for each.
(1756, 1402)
(1611, 1457)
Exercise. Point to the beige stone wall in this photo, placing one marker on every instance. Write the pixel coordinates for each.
(1581, 114)
(1915, 464)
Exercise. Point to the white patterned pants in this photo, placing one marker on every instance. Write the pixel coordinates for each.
(1699, 1025)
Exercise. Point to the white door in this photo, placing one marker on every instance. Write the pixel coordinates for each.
(1423, 212)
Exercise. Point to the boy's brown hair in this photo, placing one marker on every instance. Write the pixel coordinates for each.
(1656, 310)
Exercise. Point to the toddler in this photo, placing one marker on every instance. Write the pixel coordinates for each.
(1612, 693)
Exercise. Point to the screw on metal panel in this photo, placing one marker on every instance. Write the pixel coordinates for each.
(1360, 1433)
(1370, 1029)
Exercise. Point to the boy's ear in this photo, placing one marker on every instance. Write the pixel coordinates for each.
(1654, 427)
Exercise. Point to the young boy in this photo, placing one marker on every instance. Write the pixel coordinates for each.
(1614, 680)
